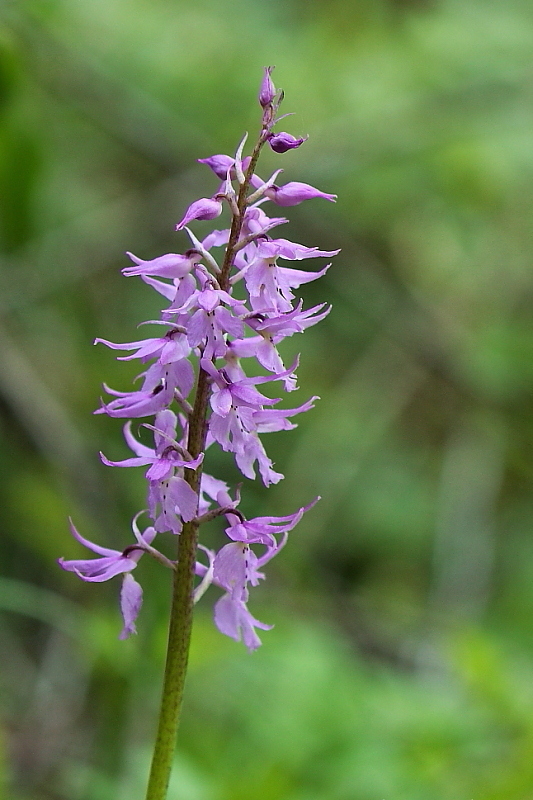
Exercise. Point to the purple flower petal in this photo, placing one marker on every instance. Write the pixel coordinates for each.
(102, 551)
(221, 402)
(230, 568)
(106, 568)
(128, 462)
(183, 497)
(139, 449)
(291, 251)
(160, 470)
(233, 619)
(131, 598)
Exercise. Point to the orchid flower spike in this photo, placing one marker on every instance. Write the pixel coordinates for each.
(228, 304)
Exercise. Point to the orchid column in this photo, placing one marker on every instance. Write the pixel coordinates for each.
(206, 334)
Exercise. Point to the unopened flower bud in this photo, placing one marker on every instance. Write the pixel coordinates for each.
(281, 142)
(220, 164)
(170, 265)
(204, 208)
(294, 193)
(267, 92)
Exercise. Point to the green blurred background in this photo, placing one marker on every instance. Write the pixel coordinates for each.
(400, 666)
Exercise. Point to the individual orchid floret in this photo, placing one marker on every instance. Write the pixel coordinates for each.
(264, 350)
(237, 432)
(267, 420)
(141, 403)
(205, 208)
(270, 285)
(263, 530)
(235, 566)
(212, 320)
(281, 142)
(163, 461)
(170, 265)
(171, 347)
(167, 491)
(109, 564)
(276, 328)
(229, 395)
(158, 391)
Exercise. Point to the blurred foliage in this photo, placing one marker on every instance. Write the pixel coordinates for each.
(400, 667)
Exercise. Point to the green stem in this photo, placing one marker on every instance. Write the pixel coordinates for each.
(176, 664)
(179, 633)
(236, 224)
(181, 613)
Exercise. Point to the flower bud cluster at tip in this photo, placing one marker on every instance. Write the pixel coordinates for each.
(270, 100)
(205, 328)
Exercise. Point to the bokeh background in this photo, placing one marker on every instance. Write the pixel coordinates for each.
(401, 662)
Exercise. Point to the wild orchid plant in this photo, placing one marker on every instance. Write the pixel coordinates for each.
(208, 326)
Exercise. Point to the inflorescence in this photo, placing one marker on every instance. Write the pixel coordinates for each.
(206, 335)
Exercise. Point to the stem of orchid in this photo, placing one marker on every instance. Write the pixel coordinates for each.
(238, 219)
(176, 664)
(181, 613)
